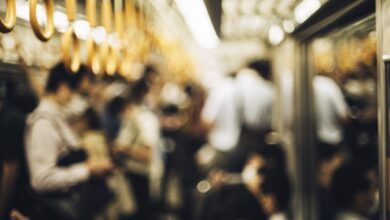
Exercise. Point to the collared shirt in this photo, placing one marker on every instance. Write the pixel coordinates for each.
(48, 138)
(278, 216)
(257, 96)
(330, 108)
(221, 110)
(141, 129)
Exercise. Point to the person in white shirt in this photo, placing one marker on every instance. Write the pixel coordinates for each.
(220, 112)
(221, 117)
(257, 95)
(331, 109)
(138, 140)
(49, 138)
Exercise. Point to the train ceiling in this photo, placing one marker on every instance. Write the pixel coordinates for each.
(253, 19)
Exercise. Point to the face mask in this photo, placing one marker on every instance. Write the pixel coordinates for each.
(249, 173)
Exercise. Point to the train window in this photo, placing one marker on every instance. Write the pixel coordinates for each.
(345, 104)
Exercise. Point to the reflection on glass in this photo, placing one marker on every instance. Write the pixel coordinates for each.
(344, 86)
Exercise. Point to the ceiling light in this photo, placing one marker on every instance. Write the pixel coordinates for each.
(198, 20)
(82, 29)
(99, 34)
(61, 21)
(276, 34)
(305, 9)
(288, 26)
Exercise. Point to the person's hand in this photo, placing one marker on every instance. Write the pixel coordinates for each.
(100, 167)
(120, 150)
(16, 215)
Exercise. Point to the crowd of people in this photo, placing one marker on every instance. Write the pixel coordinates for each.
(106, 148)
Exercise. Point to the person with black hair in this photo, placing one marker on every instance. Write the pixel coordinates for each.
(255, 97)
(242, 200)
(331, 110)
(15, 104)
(138, 140)
(354, 187)
(94, 142)
(50, 140)
(275, 195)
(112, 117)
(81, 84)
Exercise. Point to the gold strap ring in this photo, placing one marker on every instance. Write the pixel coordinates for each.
(7, 24)
(110, 60)
(93, 56)
(48, 31)
(71, 50)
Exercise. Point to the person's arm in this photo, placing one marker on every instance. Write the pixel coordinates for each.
(10, 173)
(340, 105)
(42, 155)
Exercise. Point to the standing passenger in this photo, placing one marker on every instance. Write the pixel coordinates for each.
(14, 105)
(49, 146)
(256, 97)
(138, 140)
(331, 108)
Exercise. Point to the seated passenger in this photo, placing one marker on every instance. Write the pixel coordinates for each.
(275, 195)
(233, 200)
(354, 188)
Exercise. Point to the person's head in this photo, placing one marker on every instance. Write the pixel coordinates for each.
(262, 67)
(329, 160)
(272, 155)
(81, 80)
(150, 74)
(139, 90)
(266, 159)
(18, 95)
(354, 188)
(116, 106)
(275, 192)
(59, 84)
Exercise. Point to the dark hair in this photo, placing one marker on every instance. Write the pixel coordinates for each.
(77, 78)
(149, 71)
(278, 185)
(327, 151)
(138, 90)
(274, 155)
(262, 67)
(93, 119)
(116, 105)
(348, 181)
(57, 75)
(22, 96)
(170, 109)
(7, 90)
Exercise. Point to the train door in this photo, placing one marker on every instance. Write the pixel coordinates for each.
(335, 120)
(383, 26)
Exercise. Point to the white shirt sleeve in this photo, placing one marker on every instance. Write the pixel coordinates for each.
(149, 129)
(339, 105)
(212, 107)
(42, 151)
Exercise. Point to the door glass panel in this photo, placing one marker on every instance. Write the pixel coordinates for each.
(345, 97)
